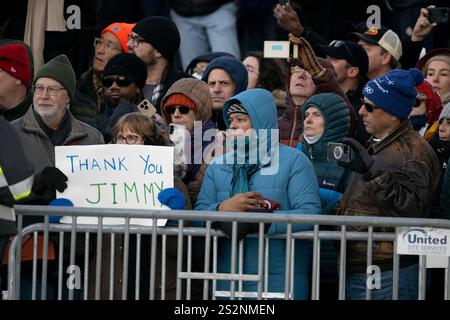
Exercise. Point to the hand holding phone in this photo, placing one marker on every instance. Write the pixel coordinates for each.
(438, 15)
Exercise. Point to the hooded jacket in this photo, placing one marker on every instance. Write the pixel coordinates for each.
(198, 92)
(331, 177)
(290, 181)
(238, 74)
(291, 122)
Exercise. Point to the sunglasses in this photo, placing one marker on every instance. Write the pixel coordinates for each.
(120, 81)
(369, 106)
(182, 109)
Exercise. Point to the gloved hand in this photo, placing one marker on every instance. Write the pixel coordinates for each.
(173, 198)
(59, 202)
(50, 179)
(361, 161)
(307, 56)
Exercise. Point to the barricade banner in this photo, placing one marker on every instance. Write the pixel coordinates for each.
(423, 241)
(115, 176)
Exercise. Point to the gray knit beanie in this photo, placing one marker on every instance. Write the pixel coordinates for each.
(445, 113)
(59, 69)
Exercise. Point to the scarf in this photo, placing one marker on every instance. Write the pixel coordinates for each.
(243, 171)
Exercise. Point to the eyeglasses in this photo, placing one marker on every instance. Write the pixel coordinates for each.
(121, 81)
(98, 43)
(135, 39)
(182, 109)
(340, 43)
(417, 103)
(129, 139)
(297, 69)
(51, 90)
(370, 107)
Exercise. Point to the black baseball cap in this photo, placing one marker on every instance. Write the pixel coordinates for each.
(350, 51)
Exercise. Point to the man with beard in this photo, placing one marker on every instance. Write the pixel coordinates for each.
(123, 81)
(49, 123)
(155, 40)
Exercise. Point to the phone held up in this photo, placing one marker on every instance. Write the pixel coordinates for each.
(339, 152)
(280, 49)
(438, 15)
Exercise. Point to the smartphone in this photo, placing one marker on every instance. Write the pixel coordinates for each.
(147, 107)
(283, 2)
(280, 49)
(339, 151)
(438, 15)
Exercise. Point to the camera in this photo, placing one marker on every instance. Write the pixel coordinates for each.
(438, 15)
(339, 152)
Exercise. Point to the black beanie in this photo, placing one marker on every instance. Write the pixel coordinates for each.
(161, 33)
(59, 69)
(128, 65)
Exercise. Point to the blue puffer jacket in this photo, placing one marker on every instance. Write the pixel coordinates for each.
(293, 185)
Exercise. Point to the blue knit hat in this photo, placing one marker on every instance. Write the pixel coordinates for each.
(233, 67)
(395, 91)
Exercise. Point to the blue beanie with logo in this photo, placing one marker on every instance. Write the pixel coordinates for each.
(235, 69)
(395, 92)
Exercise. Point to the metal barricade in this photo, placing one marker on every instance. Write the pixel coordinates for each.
(81, 284)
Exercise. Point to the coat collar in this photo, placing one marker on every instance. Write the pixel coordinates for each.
(400, 130)
(30, 124)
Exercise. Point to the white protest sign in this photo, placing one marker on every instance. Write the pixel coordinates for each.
(115, 176)
(423, 241)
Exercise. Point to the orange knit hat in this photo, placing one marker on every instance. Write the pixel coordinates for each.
(121, 31)
(179, 99)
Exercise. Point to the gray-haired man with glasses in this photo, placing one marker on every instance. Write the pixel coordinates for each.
(49, 123)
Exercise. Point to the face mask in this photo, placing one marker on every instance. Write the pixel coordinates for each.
(418, 122)
(313, 139)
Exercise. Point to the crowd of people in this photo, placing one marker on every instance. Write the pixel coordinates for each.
(264, 124)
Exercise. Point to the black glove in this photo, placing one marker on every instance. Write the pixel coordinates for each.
(361, 161)
(50, 179)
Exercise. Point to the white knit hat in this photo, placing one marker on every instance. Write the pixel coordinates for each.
(445, 113)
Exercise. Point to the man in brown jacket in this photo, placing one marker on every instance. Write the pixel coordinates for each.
(396, 176)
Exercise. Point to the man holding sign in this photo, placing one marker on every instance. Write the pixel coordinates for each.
(49, 123)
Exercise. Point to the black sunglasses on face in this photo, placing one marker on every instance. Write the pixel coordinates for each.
(121, 81)
(182, 109)
(369, 106)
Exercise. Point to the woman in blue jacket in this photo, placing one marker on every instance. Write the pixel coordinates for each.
(279, 173)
